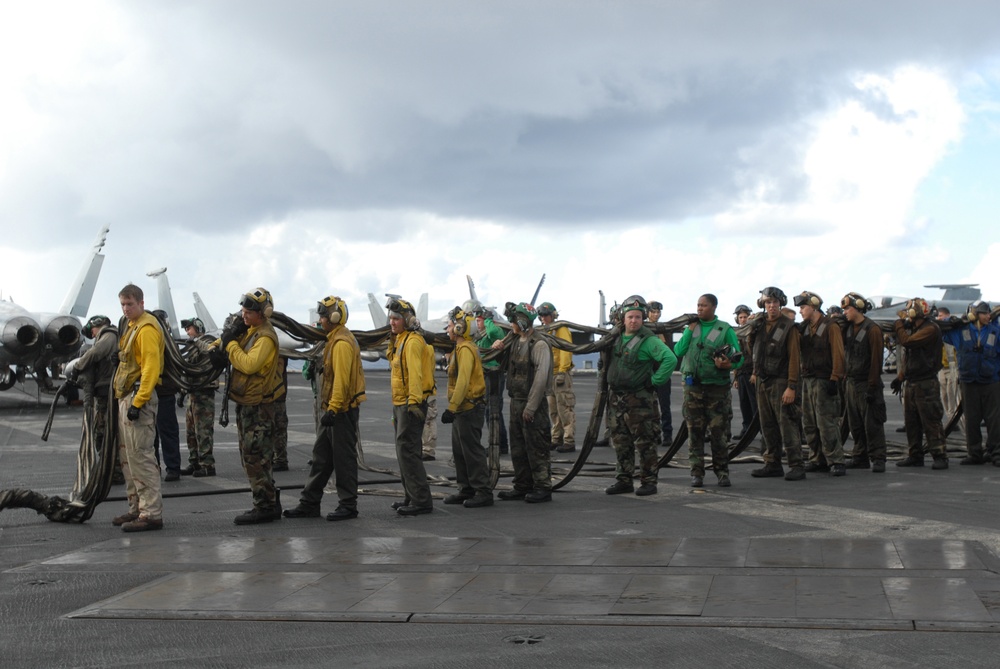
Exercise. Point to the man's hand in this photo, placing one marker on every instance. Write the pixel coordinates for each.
(897, 386)
(831, 387)
(218, 357)
(448, 417)
(233, 331)
(528, 416)
(133, 413)
(416, 413)
(328, 419)
(180, 400)
(788, 397)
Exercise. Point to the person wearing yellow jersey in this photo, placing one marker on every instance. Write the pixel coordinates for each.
(409, 405)
(254, 384)
(562, 399)
(343, 391)
(466, 400)
(140, 363)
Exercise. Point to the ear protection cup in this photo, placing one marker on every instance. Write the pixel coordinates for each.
(334, 308)
(806, 298)
(916, 308)
(857, 301)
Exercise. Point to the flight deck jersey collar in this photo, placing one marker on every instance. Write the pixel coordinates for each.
(140, 359)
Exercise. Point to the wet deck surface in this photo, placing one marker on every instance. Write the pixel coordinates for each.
(851, 583)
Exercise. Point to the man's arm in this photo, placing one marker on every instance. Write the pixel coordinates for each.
(661, 353)
(148, 347)
(254, 360)
(464, 364)
(541, 356)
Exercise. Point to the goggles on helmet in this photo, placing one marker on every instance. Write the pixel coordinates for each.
(256, 300)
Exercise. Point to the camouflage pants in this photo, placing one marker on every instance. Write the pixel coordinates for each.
(280, 450)
(562, 410)
(981, 402)
(429, 435)
(867, 420)
(529, 448)
(922, 413)
(199, 423)
(705, 412)
(635, 426)
(255, 427)
(142, 471)
(779, 424)
(411, 465)
(821, 422)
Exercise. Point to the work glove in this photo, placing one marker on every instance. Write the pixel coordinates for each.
(133, 413)
(233, 331)
(180, 400)
(448, 417)
(830, 386)
(416, 413)
(218, 357)
(897, 386)
(328, 419)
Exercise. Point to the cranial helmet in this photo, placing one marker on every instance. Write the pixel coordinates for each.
(856, 300)
(397, 305)
(462, 321)
(334, 308)
(917, 308)
(258, 300)
(521, 313)
(196, 323)
(772, 292)
(809, 299)
(634, 303)
(978, 307)
(547, 309)
(96, 321)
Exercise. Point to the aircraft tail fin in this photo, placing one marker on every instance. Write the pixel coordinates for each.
(379, 317)
(201, 311)
(534, 298)
(603, 317)
(164, 299)
(77, 301)
(472, 288)
(422, 308)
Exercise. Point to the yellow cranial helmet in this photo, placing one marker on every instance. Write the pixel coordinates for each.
(258, 300)
(334, 308)
(462, 321)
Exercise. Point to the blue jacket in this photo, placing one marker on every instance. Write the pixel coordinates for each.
(978, 352)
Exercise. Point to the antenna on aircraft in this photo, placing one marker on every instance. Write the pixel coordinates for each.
(534, 297)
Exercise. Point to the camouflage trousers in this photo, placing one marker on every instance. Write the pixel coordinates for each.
(779, 424)
(867, 420)
(705, 412)
(922, 413)
(529, 448)
(280, 454)
(255, 427)
(635, 426)
(821, 414)
(142, 471)
(199, 424)
(429, 435)
(562, 410)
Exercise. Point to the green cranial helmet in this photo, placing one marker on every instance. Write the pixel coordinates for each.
(547, 309)
(522, 313)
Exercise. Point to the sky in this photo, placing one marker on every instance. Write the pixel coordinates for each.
(662, 148)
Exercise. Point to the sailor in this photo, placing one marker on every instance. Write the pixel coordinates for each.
(168, 435)
(466, 399)
(255, 383)
(864, 391)
(529, 377)
(562, 399)
(140, 363)
(923, 349)
(776, 376)
(335, 450)
(488, 332)
(708, 349)
(742, 375)
(406, 354)
(94, 372)
(822, 360)
(977, 341)
(662, 391)
(639, 363)
(199, 419)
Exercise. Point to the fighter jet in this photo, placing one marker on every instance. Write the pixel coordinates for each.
(29, 341)
(956, 299)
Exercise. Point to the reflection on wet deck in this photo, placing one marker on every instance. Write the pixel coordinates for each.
(858, 583)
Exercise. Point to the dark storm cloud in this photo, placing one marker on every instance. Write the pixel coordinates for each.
(525, 113)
